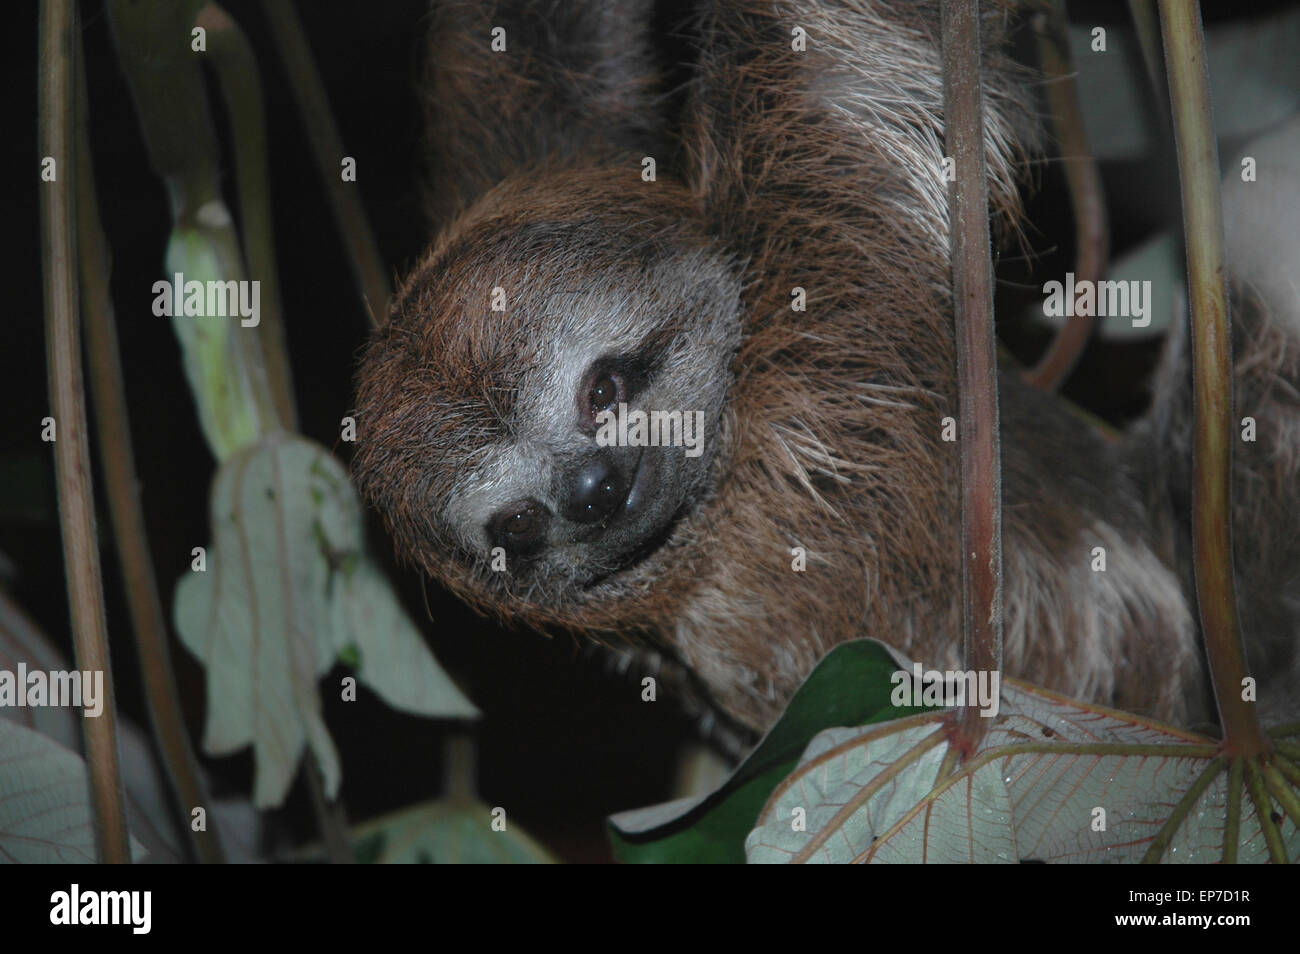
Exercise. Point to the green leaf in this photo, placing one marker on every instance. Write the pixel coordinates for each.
(217, 372)
(1053, 780)
(444, 832)
(392, 658)
(45, 814)
(851, 686)
(276, 605)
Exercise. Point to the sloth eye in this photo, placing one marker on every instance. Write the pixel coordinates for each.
(520, 527)
(603, 393)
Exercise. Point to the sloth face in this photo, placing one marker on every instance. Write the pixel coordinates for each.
(544, 406)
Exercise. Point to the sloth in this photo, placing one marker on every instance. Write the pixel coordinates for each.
(758, 241)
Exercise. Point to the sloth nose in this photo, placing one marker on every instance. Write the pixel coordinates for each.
(595, 490)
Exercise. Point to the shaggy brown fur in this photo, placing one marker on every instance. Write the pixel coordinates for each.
(817, 169)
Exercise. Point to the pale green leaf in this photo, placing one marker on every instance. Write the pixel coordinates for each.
(286, 589)
(445, 832)
(255, 615)
(1053, 780)
(218, 375)
(394, 660)
(45, 814)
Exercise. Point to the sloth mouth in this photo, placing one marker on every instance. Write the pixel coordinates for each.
(636, 501)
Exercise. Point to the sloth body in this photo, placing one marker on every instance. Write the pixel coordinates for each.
(816, 170)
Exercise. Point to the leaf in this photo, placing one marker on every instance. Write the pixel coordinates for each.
(21, 641)
(286, 587)
(223, 392)
(1053, 780)
(148, 798)
(45, 814)
(445, 832)
(850, 686)
(390, 656)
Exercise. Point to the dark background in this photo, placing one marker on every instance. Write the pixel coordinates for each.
(565, 740)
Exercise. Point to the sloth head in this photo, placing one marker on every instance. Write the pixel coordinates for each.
(508, 411)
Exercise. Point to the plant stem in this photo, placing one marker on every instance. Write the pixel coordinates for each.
(177, 127)
(972, 280)
(460, 772)
(1146, 25)
(1264, 812)
(1182, 808)
(121, 488)
(1091, 232)
(1232, 824)
(309, 91)
(72, 446)
(1198, 161)
(330, 814)
(241, 87)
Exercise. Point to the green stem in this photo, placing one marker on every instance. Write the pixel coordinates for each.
(1277, 787)
(460, 773)
(225, 361)
(1181, 811)
(331, 816)
(1264, 813)
(1289, 770)
(241, 87)
(1198, 160)
(1232, 824)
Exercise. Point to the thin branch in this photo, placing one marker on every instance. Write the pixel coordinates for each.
(162, 72)
(1198, 161)
(241, 87)
(182, 145)
(1146, 24)
(121, 488)
(309, 91)
(331, 816)
(461, 771)
(1091, 232)
(72, 445)
(972, 282)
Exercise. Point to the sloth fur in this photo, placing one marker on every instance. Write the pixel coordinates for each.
(777, 169)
